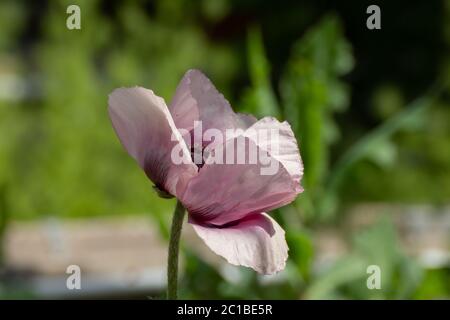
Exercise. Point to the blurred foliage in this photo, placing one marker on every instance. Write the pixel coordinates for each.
(370, 111)
(260, 99)
(312, 91)
(375, 246)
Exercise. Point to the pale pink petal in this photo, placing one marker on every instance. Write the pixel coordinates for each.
(279, 141)
(144, 125)
(184, 107)
(196, 99)
(257, 242)
(223, 193)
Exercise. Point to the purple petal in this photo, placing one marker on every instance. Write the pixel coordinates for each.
(144, 126)
(196, 99)
(246, 120)
(257, 242)
(223, 193)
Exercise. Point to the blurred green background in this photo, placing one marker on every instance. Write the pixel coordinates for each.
(370, 109)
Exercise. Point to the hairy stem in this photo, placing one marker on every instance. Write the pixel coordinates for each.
(174, 245)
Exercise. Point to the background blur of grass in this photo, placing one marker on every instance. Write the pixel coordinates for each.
(370, 110)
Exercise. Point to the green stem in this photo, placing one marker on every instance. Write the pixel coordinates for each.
(174, 245)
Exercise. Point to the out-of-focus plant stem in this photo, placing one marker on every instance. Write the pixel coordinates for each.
(174, 245)
(259, 69)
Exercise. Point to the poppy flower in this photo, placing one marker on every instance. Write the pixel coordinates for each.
(226, 203)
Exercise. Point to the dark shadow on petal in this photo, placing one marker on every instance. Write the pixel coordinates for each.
(250, 220)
